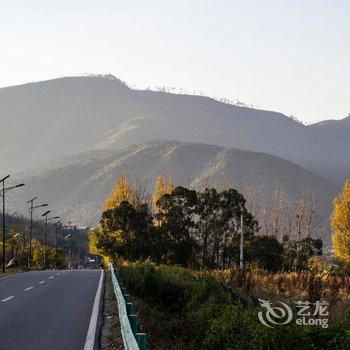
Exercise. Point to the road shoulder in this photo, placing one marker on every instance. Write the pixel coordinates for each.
(111, 338)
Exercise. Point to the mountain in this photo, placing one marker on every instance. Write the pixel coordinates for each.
(76, 186)
(338, 130)
(45, 120)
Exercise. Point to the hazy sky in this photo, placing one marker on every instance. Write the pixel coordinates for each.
(290, 56)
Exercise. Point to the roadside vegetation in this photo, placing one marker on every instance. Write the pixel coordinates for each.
(178, 252)
(182, 309)
(72, 245)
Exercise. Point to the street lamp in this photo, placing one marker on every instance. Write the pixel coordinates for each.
(2, 194)
(45, 240)
(69, 250)
(45, 214)
(57, 225)
(31, 209)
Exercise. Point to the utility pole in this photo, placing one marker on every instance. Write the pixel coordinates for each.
(241, 245)
(2, 194)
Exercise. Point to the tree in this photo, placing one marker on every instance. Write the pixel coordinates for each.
(341, 224)
(233, 206)
(209, 212)
(37, 254)
(106, 244)
(266, 250)
(162, 186)
(176, 222)
(297, 253)
(125, 231)
(122, 191)
(94, 239)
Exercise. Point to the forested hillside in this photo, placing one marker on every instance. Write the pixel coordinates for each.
(78, 185)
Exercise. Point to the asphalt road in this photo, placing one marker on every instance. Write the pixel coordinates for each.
(47, 310)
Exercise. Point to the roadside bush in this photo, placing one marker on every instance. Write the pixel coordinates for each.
(186, 310)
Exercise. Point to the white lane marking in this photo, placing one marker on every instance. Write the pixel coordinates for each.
(7, 299)
(91, 335)
(41, 282)
(51, 277)
(29, 288)
(58, 273)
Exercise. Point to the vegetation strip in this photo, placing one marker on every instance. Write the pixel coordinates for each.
(184, 309)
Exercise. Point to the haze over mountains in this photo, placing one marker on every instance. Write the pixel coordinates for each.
(69, 136)
(49, 119)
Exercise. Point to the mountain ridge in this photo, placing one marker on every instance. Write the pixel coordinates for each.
(53, 118)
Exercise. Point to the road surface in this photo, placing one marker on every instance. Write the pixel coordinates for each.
(47, 310)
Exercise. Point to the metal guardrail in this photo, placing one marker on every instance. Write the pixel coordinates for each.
(129, 323)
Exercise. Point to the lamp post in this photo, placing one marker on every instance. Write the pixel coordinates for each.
(57, 225)
(31, 209)
(45, 238)
(2, 194)
(69, 252)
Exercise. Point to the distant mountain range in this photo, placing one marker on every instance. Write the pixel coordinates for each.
(45, 120)
(68, 139)
(76, 186)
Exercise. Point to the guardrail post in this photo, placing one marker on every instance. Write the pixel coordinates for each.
(130, 308)
(127, 298)
(134, 323)
(141, 339)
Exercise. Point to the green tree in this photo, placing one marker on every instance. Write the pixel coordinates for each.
(131, 228)
(265, 250)
(175, 214)
(209, 217)
(233, 206)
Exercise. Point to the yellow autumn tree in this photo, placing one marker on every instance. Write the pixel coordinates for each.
(122, 191)
(162, 186)
(94, 236)
(341, 224)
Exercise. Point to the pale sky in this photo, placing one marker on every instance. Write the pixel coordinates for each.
(290, 56)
